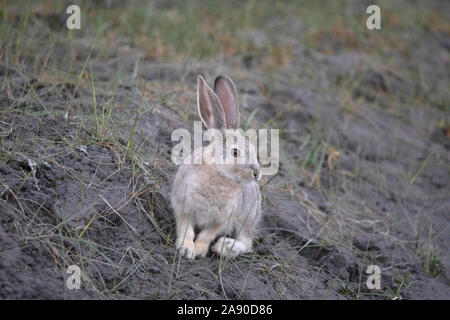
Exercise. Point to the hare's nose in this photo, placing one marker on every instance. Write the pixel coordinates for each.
(256, 173)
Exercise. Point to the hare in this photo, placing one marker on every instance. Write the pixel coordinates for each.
(217, 199)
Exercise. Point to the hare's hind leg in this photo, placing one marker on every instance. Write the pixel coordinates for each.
(230, 247)
(185, 237)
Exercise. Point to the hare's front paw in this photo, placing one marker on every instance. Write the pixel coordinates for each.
(201, 248)
(229, 247)
(187, 248)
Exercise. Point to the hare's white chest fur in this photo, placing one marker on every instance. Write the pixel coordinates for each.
(215, 199)
(209, 199)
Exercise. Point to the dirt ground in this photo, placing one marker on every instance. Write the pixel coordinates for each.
(85, 133)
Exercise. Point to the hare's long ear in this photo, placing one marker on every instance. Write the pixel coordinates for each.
(227, 93)
(209, 107)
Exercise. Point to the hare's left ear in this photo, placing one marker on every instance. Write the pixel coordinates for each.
(209, 107)
(227, 94)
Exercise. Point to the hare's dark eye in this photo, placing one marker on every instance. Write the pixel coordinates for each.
(235, 152)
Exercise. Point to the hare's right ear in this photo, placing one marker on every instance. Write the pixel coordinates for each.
(209, 107)
(226, 92)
